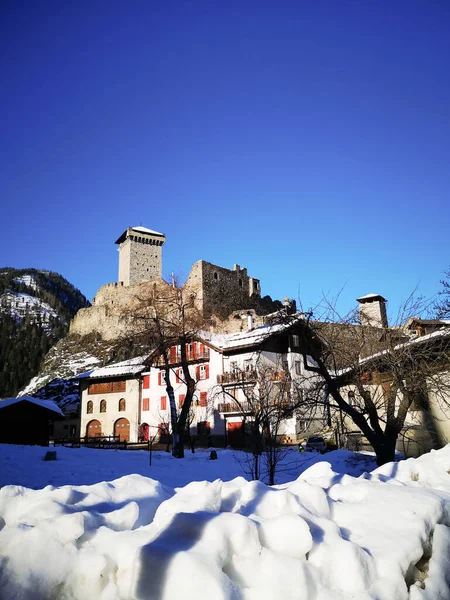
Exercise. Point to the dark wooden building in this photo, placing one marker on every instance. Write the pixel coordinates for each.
(26, 420)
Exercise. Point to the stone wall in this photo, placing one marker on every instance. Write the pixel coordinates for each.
(219, 291)
(111, 313)
(140, 258)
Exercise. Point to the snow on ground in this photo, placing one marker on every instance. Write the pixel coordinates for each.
(323, 535)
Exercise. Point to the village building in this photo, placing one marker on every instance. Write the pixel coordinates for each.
(130, 401)
(27, 420)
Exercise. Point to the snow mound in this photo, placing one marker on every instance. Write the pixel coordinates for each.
(326, 535)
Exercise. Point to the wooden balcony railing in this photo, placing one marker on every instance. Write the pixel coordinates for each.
(175, 359)
(234, 407)
(237, 377)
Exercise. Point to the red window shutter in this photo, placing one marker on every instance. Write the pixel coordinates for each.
(146, 383)
(208, 427)
(163, 402)
(177, 376)
(202, 349)
(173, 354)
(160, 378)
(206, 371)
(181, 398)
(203, 398)
(145, 403)
(160, 428)
(197, 373)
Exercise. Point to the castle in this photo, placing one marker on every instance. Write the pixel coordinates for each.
(218, 291)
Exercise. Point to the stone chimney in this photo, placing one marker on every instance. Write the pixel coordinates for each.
(372, 310)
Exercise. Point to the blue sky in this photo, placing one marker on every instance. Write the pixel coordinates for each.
(308, 141)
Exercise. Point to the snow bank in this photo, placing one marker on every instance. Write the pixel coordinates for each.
(326, 535)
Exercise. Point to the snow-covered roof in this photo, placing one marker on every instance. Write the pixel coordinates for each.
(138, 229)
(370, 297)
(47, 404)
(146, 230)
(126, 367)
(229, 341)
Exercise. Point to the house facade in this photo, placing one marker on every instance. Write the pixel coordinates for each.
(130, 399)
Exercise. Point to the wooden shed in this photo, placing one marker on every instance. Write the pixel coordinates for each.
(27, 420)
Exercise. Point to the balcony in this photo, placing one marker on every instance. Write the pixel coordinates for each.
(234, 407)
(175, 357)
(280, 376)
(237, 377)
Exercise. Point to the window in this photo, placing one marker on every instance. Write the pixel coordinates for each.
(202, 372)
(122, 405)
(203, 428)
(203, 398)
(107, 387)
(178, 375)
(163, 402)
(351, 397)
(295, 341)
(102, 406)
(240, 282)
(160, 378)
(145, 403)
(146, 382)
(298, 367)
(216, 275)
(181, 398)
(248, 364)
(90, 407)
(234, 367)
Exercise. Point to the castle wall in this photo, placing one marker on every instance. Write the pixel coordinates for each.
(218, 290)
(111, 315)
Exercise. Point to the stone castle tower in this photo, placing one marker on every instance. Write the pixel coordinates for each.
(140, 255)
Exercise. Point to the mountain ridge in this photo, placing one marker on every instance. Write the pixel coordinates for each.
(36, 307)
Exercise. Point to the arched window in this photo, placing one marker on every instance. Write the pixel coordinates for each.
(90, 407)
(102, 405)
(122, 404)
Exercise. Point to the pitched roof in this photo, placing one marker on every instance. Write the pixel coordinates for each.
(138, 229)
(126, 367)
(46, 404)
(246, 339)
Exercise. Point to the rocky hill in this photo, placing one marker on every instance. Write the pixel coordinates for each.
(35, 311)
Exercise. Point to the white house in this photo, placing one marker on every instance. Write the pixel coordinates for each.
(130, 400)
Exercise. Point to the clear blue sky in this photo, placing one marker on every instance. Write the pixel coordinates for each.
(308, 140)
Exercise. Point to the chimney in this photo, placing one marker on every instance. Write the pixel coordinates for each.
(372, 310)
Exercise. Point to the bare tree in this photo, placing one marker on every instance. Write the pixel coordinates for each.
(442, 306)
(265, 397)
(165, 324)
(375, 376)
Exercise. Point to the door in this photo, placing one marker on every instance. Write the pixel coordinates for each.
(235, 434)
(94, 429)
(122, 429)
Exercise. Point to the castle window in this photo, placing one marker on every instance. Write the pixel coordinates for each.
(240, 282)
(90, 407)
(102, 406)
(216, 275)
(122, 404)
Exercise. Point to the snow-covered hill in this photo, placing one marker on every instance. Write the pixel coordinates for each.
(35, 311)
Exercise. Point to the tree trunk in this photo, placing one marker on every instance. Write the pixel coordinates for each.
(384, 446)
